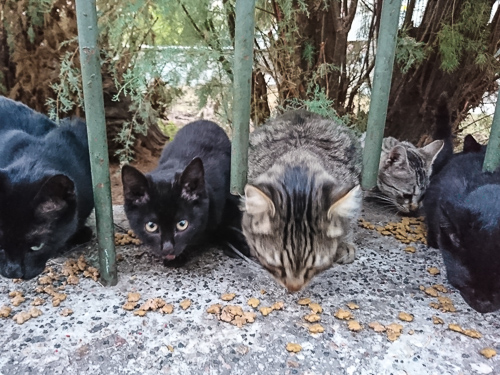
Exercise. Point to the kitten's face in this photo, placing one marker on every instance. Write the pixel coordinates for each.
(404, 175)
(470, 244)
(295, 236)
(167, 216)
(36, 220)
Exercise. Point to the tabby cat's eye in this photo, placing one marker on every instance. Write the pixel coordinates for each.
(36, 248)
(151, 227)
(182, 225)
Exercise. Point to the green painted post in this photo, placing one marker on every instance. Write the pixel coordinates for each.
(384, 63)
(242, 87)
(96, 130)
(492, 158)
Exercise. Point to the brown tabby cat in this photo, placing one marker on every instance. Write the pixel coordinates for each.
(302, 196)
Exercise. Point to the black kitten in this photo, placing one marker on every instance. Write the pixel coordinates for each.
(462, 208)
(185, 201)
(45, 188)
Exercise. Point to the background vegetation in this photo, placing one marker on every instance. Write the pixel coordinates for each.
(317, 54)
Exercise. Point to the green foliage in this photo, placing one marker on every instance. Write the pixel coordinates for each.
(169, 129)
(409, 52)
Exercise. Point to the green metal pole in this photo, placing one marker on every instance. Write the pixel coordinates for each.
(96, 130)
(384, 63)
(242, 87)
(492, 158)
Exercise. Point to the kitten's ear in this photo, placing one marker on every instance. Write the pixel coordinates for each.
(192, 180)
(397, 157)
(470, 144)
(135, 186)
(431, 151)
(261, 207)
(55, 194)
(346, 204)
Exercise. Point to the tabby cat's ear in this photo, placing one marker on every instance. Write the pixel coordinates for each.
(135, 185)
(55, 194)
(345, 204)
(261, 207)
(431, 151)
(192, 180)
(397, 157)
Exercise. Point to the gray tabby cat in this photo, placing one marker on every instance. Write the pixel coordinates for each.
(303, 196)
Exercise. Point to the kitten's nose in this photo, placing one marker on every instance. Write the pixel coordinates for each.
(167, 247)
(293, 286)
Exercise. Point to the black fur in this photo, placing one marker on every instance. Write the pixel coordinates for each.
(462, 207)
(442, 131)
(190, 184)
(45, 188)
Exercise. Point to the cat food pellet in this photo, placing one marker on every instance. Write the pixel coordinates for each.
(354, 326)
(56, 302)
(15, 293)
(140, 312)
(376, 326)
(393, 331)
(5, 311)
(352, 305)
(167, 309)
(66, 312)
(343, 314)
(228, 296)
(304, 301)
(455, 327)
(472, 333)
(152, 304)
(170, 348)
(433, 271)
(440, 288)
(129, 306)
(239, 321)
(265, 310)
(316, 328)
(488, 352)
(254, 302)
(185, 304)
(293, 348)
(249, 316)
(22, 317)
(35, 312)
(235, 310)
(405, 317)
(410, 249)
(225, 316)
(45, 280)
(38, 301)
(278, 305)
(431, 291)
(17, 300)
(312, 318)
(316, 308)
(73, 280)
(133, 297)
(437, 320)
(214, 309)
(411, 332)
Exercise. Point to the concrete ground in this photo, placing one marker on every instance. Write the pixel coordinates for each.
(100, 337)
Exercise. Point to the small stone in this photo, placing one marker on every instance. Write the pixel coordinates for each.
(262, 291)
(185, 304)
(293, 348)
(488, 352)
(228, 296)
(254, 302)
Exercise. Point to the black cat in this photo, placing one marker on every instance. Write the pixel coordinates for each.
(45, 188)
(185, 201)
(462, 206)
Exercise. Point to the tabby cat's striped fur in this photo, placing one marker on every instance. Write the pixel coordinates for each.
(302, 196)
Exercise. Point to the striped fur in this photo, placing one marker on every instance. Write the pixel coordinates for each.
(404, 172)
(302, 196)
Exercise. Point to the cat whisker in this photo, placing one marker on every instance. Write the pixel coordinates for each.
(252, 264)
(235, 229)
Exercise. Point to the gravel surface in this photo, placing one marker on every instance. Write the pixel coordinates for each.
(100, 337)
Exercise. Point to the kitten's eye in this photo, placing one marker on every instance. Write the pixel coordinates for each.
(182, 225)
(151, 227)
(36, 248)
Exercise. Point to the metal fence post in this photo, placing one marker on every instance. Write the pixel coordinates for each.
(492, 157)
(96, 130)
(384, 63)
(242, 87)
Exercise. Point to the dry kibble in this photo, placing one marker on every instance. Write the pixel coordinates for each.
(405, 317)
(15, 293)
(393, 331)
(316, 308)
(185, 304)
(5, 311)
(129, 306)
(304, 301)
(73, 280)
(35, 312)
(352, 305)
(278, 306)
(133, 297)
(214, 309)
(343, 314)
(294, 348)
(354, 326)
(433, 271)
(170, 348)
(22, 317)
(152, 304)
(167, 309)
(239, 321)
(254, 302)
(472, 333)
(56, 302)
(376, 326)
(265, 310)
(455, 327)
(431, 291)
(437, 320)
(66, 312)
(139, 312)
(410, 249)
(228, 296)
(249, 316)
(488, 352)
(316, 328)
(440, 288)
(38, 301)
(235, 310)
(312, 318)
(225, 315)
(45, 280)
(17, 300)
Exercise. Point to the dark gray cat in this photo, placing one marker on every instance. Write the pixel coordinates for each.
(302, 196)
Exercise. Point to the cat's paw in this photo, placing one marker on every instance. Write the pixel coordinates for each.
(346, 253)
